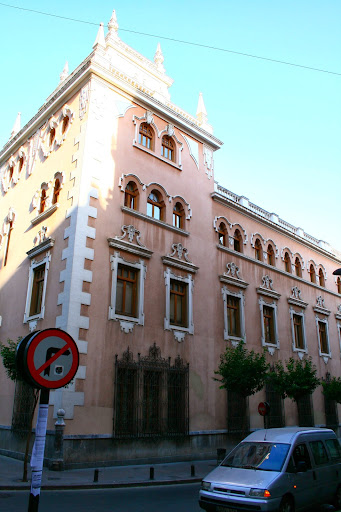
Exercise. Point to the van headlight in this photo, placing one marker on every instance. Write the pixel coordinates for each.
(260, 493)
(205, 486)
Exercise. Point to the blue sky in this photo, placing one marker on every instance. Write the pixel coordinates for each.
(280, 124)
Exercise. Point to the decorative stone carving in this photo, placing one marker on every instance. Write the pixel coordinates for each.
(41, 235)
(159, 59)
(320, 302)
(149, 117)
(267, 283)
(170, 130)
(296, 293)
(232, 270)
(181, 251)
(130, 231)
(83, 101)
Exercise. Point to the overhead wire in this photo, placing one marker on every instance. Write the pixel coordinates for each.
(215, 48)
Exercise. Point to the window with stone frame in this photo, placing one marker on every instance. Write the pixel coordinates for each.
(312, 273)
(222, 234)
(338, 284)
(179, 304)
(258, 250)
(237, 241)
(36, 290)
(168, 148)
(321, 278)
(234, 319)
(146, 136)
(65, 124)
(151, 396)
(271, 255)
(52, 137)
(178, 216)
(131, 195)
(43, 199)
(298, 267)
(298, 330)
(127, 291)
(269, 325)
(287, 263)
(155, 205)
(323, 338)
(56, 191)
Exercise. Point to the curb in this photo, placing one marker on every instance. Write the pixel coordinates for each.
(147, 483)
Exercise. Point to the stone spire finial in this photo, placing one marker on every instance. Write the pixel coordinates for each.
(100, 40)
(113, 25)
(201, 110)
(65, 72)
(159, 58)
(17, 125)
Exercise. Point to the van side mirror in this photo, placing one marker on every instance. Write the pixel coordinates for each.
(301, 466)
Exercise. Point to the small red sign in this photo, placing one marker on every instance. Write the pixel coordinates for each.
(51, 358)
(263, 408)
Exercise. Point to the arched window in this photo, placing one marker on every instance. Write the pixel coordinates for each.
(146, 136)
(56, 191)
(312, 273)
(271, 255)
(52, 136)
(222, 234)
(298, 267)
(258, 250)
(21, 164)
(42, 200)
(338, 283)
(155, 205)
(10, 173)
(130, 195)
(237, 241)
(287, 263)
(10, 227)
(321, 277)
(65, 124)
(178, 212)
(168, 148)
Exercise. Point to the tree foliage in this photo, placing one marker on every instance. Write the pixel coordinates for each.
(7, 353)
(241, 370)
(332, 389)
(296, 380)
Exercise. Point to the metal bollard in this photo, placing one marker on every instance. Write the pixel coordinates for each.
(192, 470)
(151, 473)
(96, 475)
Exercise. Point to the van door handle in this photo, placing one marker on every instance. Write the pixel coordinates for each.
(314, 475)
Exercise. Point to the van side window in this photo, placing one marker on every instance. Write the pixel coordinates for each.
(333, 448)
(301, 454)
(319, 452)
(291, 466)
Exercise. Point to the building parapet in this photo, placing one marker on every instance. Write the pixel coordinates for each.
(273, 218)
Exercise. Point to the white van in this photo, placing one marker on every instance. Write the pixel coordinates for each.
(278, 469)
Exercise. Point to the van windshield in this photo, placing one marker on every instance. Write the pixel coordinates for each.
(265, 456)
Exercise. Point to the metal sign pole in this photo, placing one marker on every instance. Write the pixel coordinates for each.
(37, 458)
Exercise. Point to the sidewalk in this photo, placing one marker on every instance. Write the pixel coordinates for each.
(115, 476)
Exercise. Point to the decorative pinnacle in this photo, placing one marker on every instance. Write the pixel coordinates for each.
(65, 72)
(17, 125)
(159, 58)
(100, 41)
(113, 25)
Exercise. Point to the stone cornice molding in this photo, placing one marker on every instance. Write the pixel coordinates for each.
(180, 264)
(130, 247)
(46, 213)
(48, 243)
(234, 281)
(267, 289)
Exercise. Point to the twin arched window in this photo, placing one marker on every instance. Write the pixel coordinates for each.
(321, 277)
(312, 273)
(237, 241)
(222, 234)
(146, 139)
(258, 250)
(271, 255)
(178, 213)
(298, 267)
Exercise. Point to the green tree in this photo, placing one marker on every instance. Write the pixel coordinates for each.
(242, 373)
(7, 352)
(332, 388)
(295, 381)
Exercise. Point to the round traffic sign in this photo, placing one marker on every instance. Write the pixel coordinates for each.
(263, 408)
(51, 358)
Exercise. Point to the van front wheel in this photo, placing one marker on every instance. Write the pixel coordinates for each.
(337, 498)
(287, 505)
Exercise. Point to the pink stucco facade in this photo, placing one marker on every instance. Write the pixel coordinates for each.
(85, 234)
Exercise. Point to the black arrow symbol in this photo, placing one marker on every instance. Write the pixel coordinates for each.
(51, 352)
